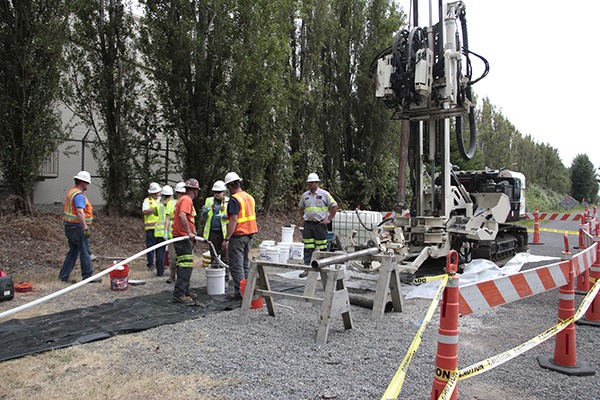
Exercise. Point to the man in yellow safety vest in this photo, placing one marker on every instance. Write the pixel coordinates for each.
(150, 212)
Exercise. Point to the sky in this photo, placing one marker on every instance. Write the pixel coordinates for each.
(541, 55)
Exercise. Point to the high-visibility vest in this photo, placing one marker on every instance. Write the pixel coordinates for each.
(69, 211)
(163, 211)
(150, 220)
(208, 204)
(246, 223)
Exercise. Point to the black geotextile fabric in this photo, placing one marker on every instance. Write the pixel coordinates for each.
(21, 337)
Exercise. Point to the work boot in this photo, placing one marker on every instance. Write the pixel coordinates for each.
(183, 299)
(303, 274)
(192, 295)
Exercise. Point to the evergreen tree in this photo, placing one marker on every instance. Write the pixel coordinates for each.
(584, 185)
(32, 35)
(104, 88)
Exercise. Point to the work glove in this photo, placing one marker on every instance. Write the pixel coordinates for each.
(87, 233)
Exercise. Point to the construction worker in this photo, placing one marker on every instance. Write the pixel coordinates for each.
(215, 214)
(150, 212)
(179, 191)
(184, 224)
(241, 227)
(163, 230)
(77, 219)
(317, 209)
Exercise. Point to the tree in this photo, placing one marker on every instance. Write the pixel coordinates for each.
(583, 179)
(32, 34)
(104, 88)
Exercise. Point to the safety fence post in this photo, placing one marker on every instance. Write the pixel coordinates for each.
(565, 348)
(592, 315)
(446, 359)
(583, 279)
(536, 227)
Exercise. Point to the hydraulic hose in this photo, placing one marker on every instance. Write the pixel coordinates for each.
(459, 125)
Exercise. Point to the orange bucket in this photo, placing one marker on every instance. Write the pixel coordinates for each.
(256, 303)
(119, 278)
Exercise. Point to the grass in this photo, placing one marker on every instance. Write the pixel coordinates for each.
(80, 373)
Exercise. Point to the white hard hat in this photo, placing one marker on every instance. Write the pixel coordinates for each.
(167, 191)
(180, 187)
(154, 188)
(312, 177)
(219, 186)
(231, 177)
(83, 176)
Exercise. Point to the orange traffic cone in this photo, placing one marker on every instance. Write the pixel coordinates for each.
(565, 349)
(582, 227)
(592, 315)
(536, 227)
(446, 359)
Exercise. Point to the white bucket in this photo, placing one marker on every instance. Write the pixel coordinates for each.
(262, 250)
(268, 243)
(284, 252)
(215, 281)
(272, 254)
(287, 234)
(297, 251)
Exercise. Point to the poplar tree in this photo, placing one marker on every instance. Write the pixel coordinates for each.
(32, 34)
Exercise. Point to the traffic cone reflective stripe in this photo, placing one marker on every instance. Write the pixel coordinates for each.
(446, 359)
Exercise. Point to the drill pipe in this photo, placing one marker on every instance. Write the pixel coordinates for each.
(323, 262)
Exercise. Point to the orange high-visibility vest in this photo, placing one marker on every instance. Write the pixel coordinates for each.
(69, 211)
(246, 223)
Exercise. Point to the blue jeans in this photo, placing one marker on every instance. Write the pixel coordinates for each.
(238, 255)
(78, 247)
(160, 258)
(150, 241)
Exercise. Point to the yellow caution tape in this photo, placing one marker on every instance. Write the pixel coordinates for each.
(424, 279)
(393, 389)
(450, 386)
(555, 231)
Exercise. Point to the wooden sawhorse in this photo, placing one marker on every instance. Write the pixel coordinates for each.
(388, 283)
(335, 299)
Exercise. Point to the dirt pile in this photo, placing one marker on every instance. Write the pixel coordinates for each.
(34, 245)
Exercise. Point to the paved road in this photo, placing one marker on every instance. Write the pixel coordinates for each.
(552, 236)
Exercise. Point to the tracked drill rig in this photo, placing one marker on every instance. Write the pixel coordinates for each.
(425, 77)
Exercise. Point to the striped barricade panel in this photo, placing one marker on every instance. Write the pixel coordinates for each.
(584, 259)
(554, 216)
(506, 289)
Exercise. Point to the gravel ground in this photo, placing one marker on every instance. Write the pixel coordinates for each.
(270, 358)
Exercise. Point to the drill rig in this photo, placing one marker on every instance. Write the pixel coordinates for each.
(425, 77)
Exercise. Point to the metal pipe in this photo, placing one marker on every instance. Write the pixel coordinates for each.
(323, 262)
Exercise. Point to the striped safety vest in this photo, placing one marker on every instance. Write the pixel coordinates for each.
(246, 223)
(150, 220)
(163, 211)
(69, 211)
(208, 204)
